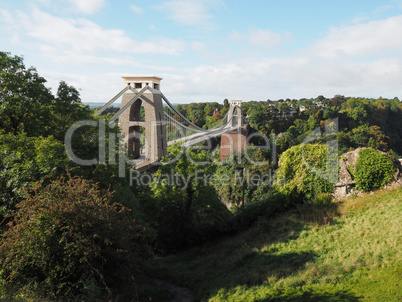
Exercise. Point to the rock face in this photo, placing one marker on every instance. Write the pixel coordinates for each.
(346, 185)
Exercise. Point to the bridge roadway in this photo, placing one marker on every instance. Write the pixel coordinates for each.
(197, 138)
(141, 164)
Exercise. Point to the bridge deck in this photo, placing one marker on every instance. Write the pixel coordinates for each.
(200, 137)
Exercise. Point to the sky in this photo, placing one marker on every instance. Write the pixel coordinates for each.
(209, 50)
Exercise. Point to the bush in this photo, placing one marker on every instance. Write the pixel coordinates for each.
(373, 170)
(323, 199)
(68, 239)
(270, 206)
(296, 174)
(24, 160)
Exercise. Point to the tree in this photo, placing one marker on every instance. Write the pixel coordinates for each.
(337, 100)
(72, 240)
(257, 117)
(211, 107)
(373, 170)
(67, 108)
(196, 114)
(189, 208)
(23, 161)
(24, 100)
(26, 105)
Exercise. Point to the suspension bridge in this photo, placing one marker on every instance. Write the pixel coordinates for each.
(163, 124)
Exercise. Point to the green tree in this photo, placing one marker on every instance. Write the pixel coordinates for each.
(284, 108)
(67, 109)
(24, 100)
(189, 208)
(244, 179)
(71, 241)
(373, 170)
(25, 160)
(195, 113)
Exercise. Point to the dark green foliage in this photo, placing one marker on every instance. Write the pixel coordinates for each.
(26, 105)
(67, 108)
(322, 199)
(244, 179)
(187, 210)
(268, 207)
(373, 170)
(24, 160)
(24, 99)
(375, 123)
(67, 239)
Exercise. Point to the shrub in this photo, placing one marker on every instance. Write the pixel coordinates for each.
(24, 160)
(295, 174)
(270, 206)
(322, 199)
(68, 239)
(373, 170)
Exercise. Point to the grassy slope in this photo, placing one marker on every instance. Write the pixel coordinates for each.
(348, 252)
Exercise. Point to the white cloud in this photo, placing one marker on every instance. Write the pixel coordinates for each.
(87, 6)
(372, 38)
(77, 37)
(203, 50)
(275, 78)
(95, 87)
(398, 3)
(358, 60)
(263, 38)
(195, 12)
(355, 60)
(7, 18)
(136, 9)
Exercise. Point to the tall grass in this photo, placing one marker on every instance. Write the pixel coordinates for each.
(349, 251)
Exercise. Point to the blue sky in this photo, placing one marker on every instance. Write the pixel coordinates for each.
(208, 50)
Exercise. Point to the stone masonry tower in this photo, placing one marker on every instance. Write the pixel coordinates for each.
(234, 141)
(154, 122)
(235, 114)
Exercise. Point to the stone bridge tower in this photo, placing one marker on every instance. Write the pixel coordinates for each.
(234, 141)
(130, 121)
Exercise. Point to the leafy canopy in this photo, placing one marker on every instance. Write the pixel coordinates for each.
(68, 236)
(373, 170)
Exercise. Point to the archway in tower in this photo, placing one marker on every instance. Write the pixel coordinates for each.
(136, 138)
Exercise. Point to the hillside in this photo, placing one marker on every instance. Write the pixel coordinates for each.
(350, 251)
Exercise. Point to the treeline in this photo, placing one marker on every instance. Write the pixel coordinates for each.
(362, 122)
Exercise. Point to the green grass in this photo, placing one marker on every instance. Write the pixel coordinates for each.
(350, 251)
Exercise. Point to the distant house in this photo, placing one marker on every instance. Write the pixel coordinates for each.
(291, 111)
(286, 114)
(320, 105)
